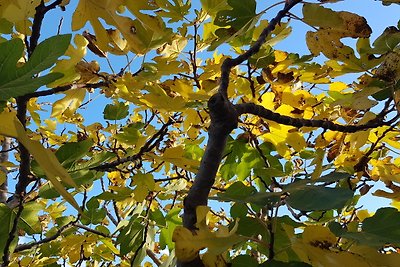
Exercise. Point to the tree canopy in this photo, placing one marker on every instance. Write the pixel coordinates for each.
(175, 132)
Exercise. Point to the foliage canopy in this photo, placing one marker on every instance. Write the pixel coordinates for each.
(112, 167)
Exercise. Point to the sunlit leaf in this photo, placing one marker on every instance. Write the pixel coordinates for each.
(47, 160)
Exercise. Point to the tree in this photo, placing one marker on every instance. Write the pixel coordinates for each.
(291, 148)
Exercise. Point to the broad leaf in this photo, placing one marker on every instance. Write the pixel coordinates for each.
(7, 217)
(116, 111)
(11, 126)
(319, 198)
(17, 81)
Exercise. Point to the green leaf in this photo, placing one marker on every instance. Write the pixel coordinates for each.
(377, 231)
(237, 191)
(130, 236)
(263, 198)
(236, 24)
(212, 7)
(248, 226)
(47, 191)
(158, 217)
(249, 160)
(317, 15)
(130, 134)
(275, 263)
(120, 195)
(312, 197)
(172, 219)
(116, 111)
(384, 224)
(244, 261)
(7, 218)
(238, 210)
(16, 81)
(241, 13)
(96, 160)
(85, 177)
(93, 214)
(175, 10)
(70, 152)
(29, 220)
(5, 26)
(387, 41)
(64, 220)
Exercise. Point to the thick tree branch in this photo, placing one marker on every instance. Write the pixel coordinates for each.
(251, 108)
(25, 163)
(224, 118)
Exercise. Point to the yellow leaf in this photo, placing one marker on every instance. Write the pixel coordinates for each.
(32, 107)
(337, 86)
(141, 34)
(317, 249)
(267, 100)
(280, 55)
(281, 136)
(328, 38)
(144, 184)
(3, 177)
(173, 50)
(212, 260)
(119, 45)
(188, 244)
(318, 161)
(12, 127)
(175, 155)
(318, 233)
(116, 178)
(374, 257)
(158, 98)
(88, 71)
(67, 66)
(19, 12)
(363, 214)
(69, 104)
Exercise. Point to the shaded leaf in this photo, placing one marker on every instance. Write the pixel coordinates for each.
(16, 81)
(116, 111)
(319, 198)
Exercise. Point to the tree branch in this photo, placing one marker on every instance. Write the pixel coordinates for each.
(63, 88)
(229, 63)
(4, 158)
(251, 108)
(224, 118)
(41, 11)
(22, 247)
(148, 146)
(25, 158)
